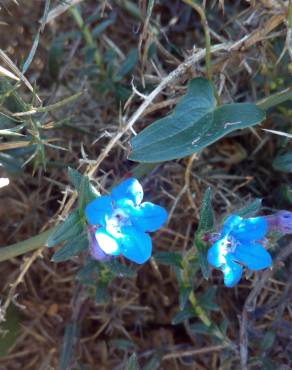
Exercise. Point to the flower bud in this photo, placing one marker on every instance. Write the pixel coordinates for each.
(280, 221)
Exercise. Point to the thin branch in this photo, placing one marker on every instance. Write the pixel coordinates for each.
(204, 21)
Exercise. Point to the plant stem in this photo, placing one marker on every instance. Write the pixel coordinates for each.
(87, 35)
(201, 313)
(49, 107)
(198, 309)
(204, 21)
(290, 14)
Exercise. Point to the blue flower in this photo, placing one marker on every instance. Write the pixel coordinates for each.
(121, 222)
(238, 246)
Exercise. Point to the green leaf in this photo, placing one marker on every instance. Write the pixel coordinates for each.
(127, 66)
(69, 341)
(283, 162)
(122, 344)
(207, 299)
(85, 193)
(206, 223)
(181, 316)
(119, 269)
(200, 328)
(132, 363)
(101, 293)
(251, 209)
(184, 292)
(55, 57)
(9, 329)
(71, 248)
(5, 121)
(9, 97)
(101, 27)
(31, 53)
(12, 131)
(224, 326)
(10, 163)
(154, 362)
(169, 258)
(283, 195)
(268, 340)
(67, 229)
(91, 268)
(195, 123)
(85, 190)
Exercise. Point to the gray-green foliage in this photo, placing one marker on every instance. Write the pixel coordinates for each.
(71, 248)
(251, 209)
(9, 330)
(65, 230)
(195, 123)
(206, 224)
(132, 363)
(283, 162)
(32, 138)
(69, 341)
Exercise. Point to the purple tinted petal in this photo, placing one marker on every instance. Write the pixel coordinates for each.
(95, 251)
(108, 243)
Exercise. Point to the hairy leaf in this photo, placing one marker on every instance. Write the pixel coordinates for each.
(251, 209)
(71, 248)
(205, 224)
(169, 258)
(65, 230)
(132, 363)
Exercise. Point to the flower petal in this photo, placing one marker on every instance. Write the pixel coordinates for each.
(232, 273)
(135, 244)
(250, 229)
(95, 251)
(131, 189)
(148, 217)
(230, 223)
(217, 253)
(98, 210)
(107, 242)
(253, 255)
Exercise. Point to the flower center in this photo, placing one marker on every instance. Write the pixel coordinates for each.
(117, 220)
(227, 245)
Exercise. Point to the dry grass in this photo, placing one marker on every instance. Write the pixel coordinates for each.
(238, 168)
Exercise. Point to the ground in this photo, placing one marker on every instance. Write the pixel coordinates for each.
(115, 55)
